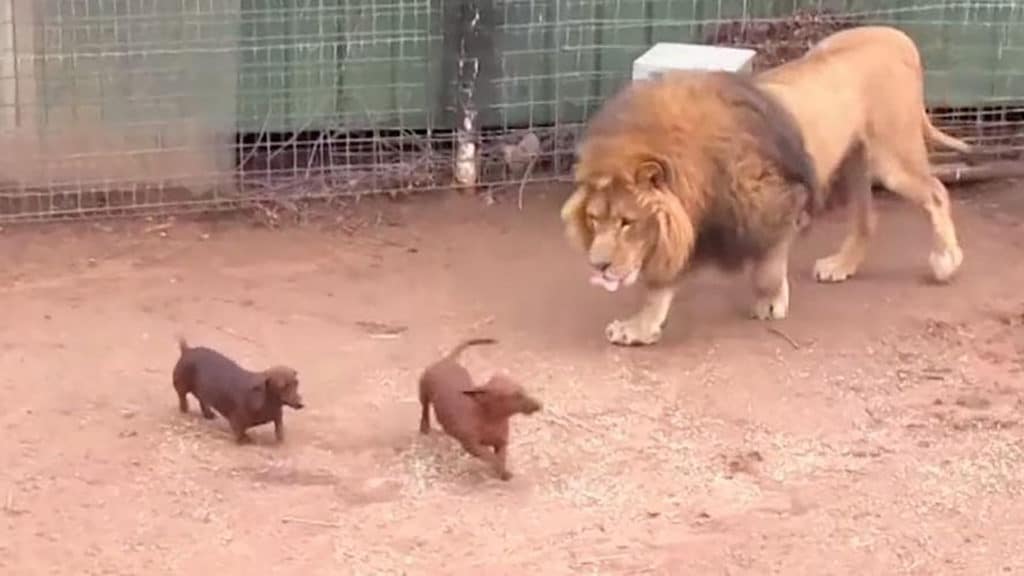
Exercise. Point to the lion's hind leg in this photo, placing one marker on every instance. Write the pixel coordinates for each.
(916, 184)
(854, 181)
(643, 328)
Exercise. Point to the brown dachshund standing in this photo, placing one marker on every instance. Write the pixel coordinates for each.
(244, 398)
(475, 416)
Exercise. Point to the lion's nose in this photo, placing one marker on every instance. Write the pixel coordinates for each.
(601, 266)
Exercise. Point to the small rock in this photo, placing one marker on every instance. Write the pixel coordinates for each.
(973, 402)
(745, 463)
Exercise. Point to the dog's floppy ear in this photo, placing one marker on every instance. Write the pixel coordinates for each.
(279, 377)
(479, 395)
(256, 396)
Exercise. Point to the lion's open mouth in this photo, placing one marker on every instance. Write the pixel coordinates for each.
(613, 284)
(609, 284)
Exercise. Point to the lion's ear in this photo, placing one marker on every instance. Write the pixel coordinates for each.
(652, 174)
(575, 219)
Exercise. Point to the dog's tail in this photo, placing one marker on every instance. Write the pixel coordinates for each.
(935, 135)
(455, 352)
(182, 343)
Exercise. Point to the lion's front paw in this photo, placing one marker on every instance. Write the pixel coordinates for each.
(835, 268)
(945, 264)
(773, 307)
(632, 332)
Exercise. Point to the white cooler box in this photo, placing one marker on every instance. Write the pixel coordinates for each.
(672, 56)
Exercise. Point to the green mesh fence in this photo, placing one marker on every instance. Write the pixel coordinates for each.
(142, 106)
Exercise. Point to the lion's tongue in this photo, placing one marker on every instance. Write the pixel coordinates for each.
(598, 279)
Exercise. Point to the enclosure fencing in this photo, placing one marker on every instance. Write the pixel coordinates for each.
(111, 107)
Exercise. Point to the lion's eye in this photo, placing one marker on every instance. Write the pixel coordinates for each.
(625, 222)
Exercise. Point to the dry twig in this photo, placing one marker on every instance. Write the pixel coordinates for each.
(964, 173)
(526, 177)
(231, 332)
(159, 227)
(784, 336)
(322, 523)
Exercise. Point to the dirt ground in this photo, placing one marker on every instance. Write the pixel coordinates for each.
(877, 430)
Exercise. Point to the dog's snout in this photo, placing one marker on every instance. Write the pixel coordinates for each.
(533, 405)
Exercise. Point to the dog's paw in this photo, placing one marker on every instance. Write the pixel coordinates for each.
(505, 476)
(835, 268)
(945, 263)
(632, 332)
(773, 307)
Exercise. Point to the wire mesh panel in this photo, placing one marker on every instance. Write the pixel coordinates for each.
(338, 97)
(141, 106)
(116, 105)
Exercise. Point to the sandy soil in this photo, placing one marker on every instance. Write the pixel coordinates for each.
(884, 439)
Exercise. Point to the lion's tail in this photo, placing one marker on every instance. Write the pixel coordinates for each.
(935, 135)
(457, 350)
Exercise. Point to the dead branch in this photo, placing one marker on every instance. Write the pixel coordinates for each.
(962, 173)
(526, 176)
(784, 336)
(231, 332)
(321, 523)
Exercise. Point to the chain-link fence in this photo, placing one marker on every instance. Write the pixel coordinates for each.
(143, 106)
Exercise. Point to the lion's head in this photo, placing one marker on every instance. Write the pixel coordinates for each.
(691, 154)
(629, 223)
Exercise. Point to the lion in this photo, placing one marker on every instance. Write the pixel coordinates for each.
(718, 167)
(688, 168)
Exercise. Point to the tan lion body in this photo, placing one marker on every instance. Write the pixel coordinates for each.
(710, 167)
(859, 99)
